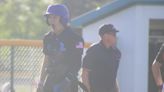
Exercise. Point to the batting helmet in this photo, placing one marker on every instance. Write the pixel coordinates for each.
(59, 10)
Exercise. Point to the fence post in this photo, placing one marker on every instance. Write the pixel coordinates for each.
(12, 69)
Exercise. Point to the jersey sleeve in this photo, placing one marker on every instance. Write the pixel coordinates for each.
(88, 59)
(118, 54)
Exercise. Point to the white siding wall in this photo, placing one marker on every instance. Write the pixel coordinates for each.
(144, 14)
(133, 24)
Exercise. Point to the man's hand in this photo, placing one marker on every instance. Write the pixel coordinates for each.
(39, 87)
(85, 78)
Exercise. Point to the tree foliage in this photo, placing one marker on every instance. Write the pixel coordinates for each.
(23, 19)
(79, 7)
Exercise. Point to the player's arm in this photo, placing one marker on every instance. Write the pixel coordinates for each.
(43, 74)
(157, 73)
(85, 78)
(43, 69)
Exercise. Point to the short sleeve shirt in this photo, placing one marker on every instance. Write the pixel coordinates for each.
(103, 65)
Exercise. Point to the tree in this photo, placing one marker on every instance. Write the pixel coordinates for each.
(79, 7)
(24, 19)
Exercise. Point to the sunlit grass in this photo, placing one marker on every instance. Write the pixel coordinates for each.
(24, 88)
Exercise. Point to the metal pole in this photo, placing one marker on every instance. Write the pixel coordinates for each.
(12, 69)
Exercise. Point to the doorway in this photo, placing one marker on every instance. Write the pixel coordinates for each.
(156, 38)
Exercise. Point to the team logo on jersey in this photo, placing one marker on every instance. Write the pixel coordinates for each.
(79, 45)
(62, 47)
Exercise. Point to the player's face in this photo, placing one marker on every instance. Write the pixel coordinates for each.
(53, 20)
(109, 39)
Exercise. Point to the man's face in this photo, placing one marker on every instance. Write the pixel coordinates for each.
(109, 39)
(53, 19)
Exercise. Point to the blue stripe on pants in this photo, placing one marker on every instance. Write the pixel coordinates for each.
(63, 86)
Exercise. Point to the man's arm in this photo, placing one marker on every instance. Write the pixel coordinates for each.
(157, 73)
(117, 86)
(85, 78)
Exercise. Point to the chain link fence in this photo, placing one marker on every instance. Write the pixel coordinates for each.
(20, 63)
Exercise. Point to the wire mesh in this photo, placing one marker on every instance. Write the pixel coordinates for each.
(20, 63)
(27, 60)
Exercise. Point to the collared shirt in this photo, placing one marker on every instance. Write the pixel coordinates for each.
(103, 65)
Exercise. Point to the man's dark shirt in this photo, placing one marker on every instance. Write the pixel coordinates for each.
(64, 49)
(103, 65)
